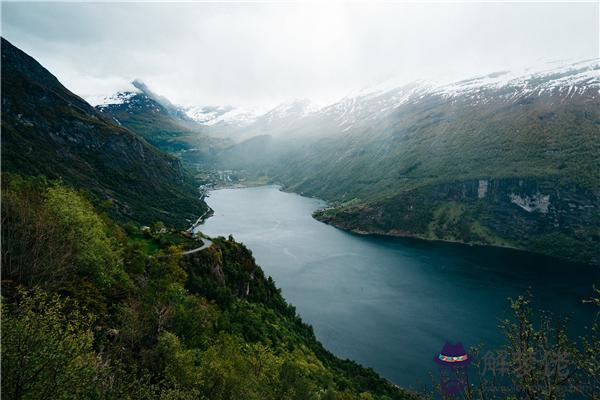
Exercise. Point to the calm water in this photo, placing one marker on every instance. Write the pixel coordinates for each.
(388, 303)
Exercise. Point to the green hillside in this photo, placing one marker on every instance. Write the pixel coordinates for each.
(49, 131)
(95, 310)
(163, 124)
(524, 173)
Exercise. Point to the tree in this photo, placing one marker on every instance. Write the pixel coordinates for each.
(179, 365)
(51, 234)
(47, 349)
(31, 251)
(82, 226)
(539, 360)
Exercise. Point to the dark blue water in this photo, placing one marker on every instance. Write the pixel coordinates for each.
(390, 303)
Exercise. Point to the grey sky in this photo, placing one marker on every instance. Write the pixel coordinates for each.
(253, 53)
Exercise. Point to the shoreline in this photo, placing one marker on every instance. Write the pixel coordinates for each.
(456, 243)
(391, 234)
(201, 219)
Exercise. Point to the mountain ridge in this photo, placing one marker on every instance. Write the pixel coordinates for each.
(409, 161)
(42, 121)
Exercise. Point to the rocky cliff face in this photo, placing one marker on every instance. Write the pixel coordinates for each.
(228, 267)
(47, 130)
(539, 215)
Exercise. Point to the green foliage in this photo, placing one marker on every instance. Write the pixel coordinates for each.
(47, 350)
(80, 225)
(179, 365)
(527, 345)
(138, 324)
(47, 130)
(589, 361)
(139, 321)
(52, 234)
(538, 361)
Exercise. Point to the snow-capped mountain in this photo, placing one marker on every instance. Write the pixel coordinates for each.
(240, 123)
(139, 98)
(548, 76)
(207, 114)
(224, 121)
(564, 80)
(153, 117)
(121, 97)
(519, 148)
(226, 115)
(296, 108)
(246, 116)
(555, 82)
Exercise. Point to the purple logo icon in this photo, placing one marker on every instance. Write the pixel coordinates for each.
(453, 363)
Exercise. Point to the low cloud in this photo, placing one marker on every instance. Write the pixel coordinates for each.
(249, 53)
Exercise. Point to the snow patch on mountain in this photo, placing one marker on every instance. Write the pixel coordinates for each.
(559, 79)
(215, 115)
(297, 108)
(560, 75)
(120, 97)
(569, 80)
(246, 116)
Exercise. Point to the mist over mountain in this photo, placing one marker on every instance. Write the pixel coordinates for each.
(500, 159)
(507, 158)
(420, 179)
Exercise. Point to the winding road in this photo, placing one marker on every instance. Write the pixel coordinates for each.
(205, 245)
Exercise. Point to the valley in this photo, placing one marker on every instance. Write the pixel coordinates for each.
(290, 250)
(103, 294)
(390, 302)
(506, 159)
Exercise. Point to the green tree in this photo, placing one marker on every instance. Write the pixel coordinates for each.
(51, 235)
(97, 257)
(47, 350)
(31, 251)
(179, 365)
(589, 361)
(231, 370)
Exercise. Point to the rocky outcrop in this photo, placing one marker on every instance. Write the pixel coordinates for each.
(539, 215)
(531, 205)
(537, 202)
(227, 268)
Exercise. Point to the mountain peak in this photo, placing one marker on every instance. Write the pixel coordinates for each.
(48, 130)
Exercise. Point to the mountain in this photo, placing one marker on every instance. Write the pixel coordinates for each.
(163, 124)
(151, 116)
(239, 123)
(195, 133)
(47, 130)
(105, 309)
(503, 159)
(282, 118)
(223, 115)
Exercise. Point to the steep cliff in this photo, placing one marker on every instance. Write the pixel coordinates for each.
(532, 214)
(47, 130)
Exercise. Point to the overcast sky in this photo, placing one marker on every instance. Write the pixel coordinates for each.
(253, 53)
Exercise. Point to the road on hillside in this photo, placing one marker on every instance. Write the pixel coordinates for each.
(206, 244)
